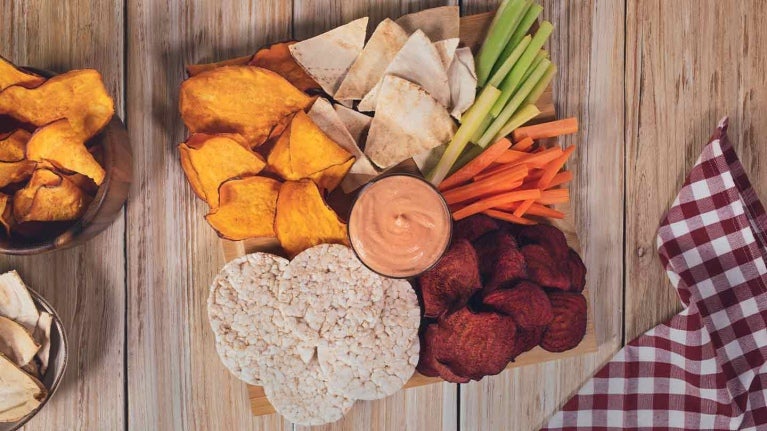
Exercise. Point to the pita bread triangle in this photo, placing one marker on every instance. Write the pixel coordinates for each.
(463, 82)
(418, 62)
(328, 56)
(446, 50)
(408, 121)
(367, 70)
(438, 23)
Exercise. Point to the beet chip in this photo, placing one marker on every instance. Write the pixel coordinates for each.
(527, 339)
(526, 303)
(577, 271)
(449, 285)
(428, 365)
(500, 260)
(474, 227)
(544, 270)
(475, 344)
(548, 237)
(569, 324)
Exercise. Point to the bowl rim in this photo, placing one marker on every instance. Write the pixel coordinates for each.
(38, 246)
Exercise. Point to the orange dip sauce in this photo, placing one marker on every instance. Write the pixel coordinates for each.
(399, 226)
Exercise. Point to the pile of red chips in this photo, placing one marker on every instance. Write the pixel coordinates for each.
(500, 290)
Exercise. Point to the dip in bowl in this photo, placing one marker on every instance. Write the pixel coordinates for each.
(400, 226)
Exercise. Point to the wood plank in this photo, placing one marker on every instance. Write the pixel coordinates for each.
(175, 378)
(431, 407)
(690, 63)
(524, 397)
(86, 285)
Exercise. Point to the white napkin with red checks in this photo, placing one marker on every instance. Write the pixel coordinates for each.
(705, 368)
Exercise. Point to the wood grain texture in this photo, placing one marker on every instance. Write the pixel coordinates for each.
(690, 63)
(587, 46)
(86, 285)
(175, 380)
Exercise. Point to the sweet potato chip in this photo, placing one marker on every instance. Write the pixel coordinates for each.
(6, 212)
(11, 75)
(246, 208)
(196, 69)
(246, 100)
(305, 151)
(49, 197)
(209, 160)
(13, 145)
(276, 57)
(304, 220)
(79, 96)
(14, 172)
(60, 144)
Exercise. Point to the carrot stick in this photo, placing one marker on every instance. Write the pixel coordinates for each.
(551, 169)
(500, 215)
(510, 156)
(560, 178)
(554, 196)
(523, 207)
(547, 130)
(536, 160)
(477, 165)
(544, 211)
(523, 145)
(494, 201)
(504, 182)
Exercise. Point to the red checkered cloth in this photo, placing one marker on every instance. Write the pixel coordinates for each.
(705, 368)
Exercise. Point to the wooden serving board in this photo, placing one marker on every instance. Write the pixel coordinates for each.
(473, 30)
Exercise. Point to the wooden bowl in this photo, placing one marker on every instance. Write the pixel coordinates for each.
(106, 204)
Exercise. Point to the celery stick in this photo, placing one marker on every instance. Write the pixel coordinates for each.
(514, 103)
(540, 87)
(542, 54)
(523, 28)
(508, 63)
(481, 129)
(499, 33)
(527, 113)
(473, 119)
(514, 78)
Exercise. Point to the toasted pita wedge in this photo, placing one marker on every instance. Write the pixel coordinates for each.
(16, 343)
(438, 23)
(446, 50)
(21, 393)
(326, 118)
(463, 82)
(328, 57)
(418, 62)
(15, 301)
(42, 335)
(408, 121)
(356, 123)
(386, 41)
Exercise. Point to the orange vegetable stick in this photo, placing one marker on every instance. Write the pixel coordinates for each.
(554, 196)
(544, 211)
(477, 165)
(560, 178)
(536, 160)
(494, 201)
(523, 145)
(503, 182)
(547, 130)
(523, 207)
(500, 215)
(510, 156)
(551, 169)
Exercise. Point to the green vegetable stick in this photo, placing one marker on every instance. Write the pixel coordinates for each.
(481, 129)
(523, 28)
(542, 54)
(499, 33)
(540, 87)
(473, 119)
(508, 63)
(514, 78)
(527, 113)
(514, 103)
(511, 29)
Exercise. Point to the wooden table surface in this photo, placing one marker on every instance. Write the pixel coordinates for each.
(647, 80)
